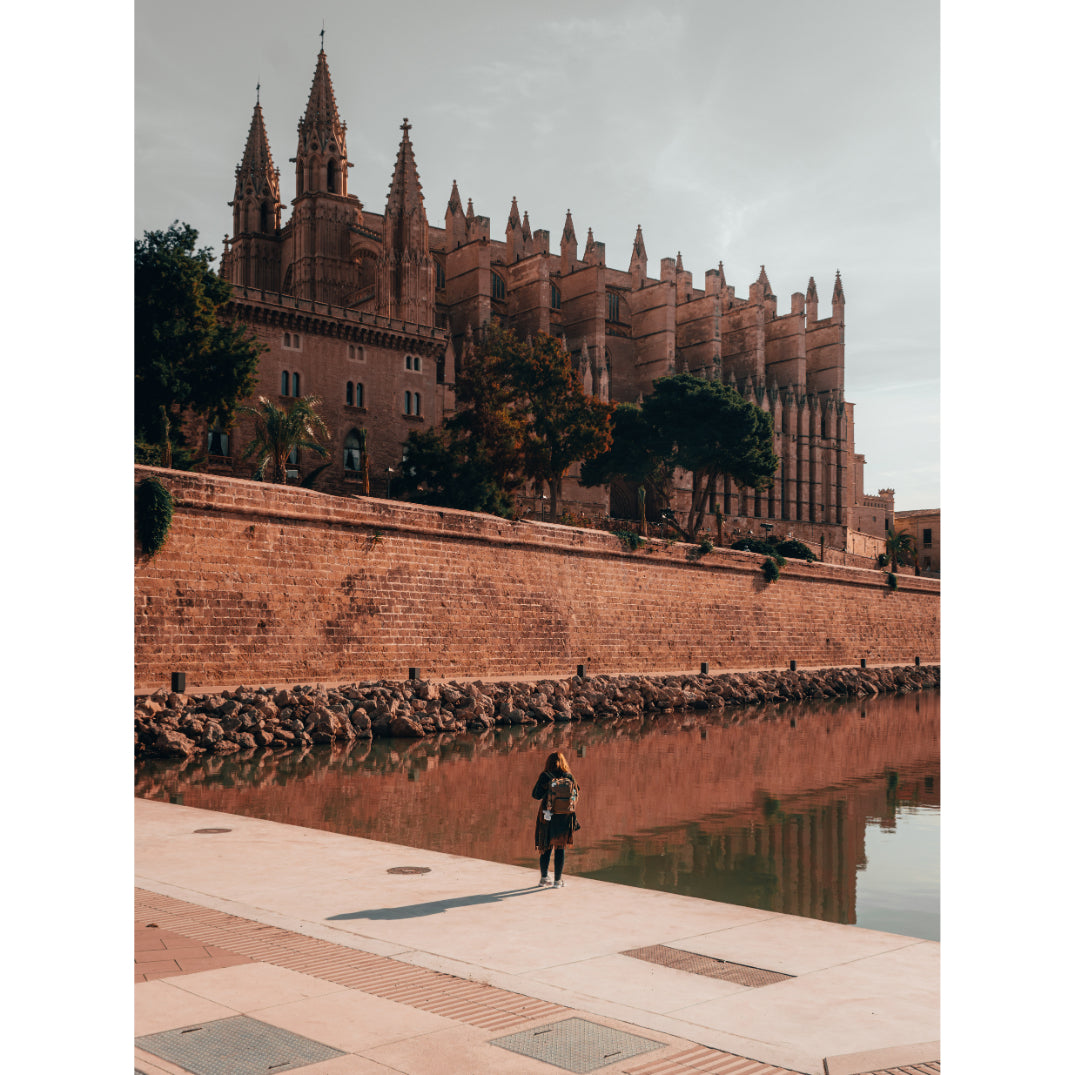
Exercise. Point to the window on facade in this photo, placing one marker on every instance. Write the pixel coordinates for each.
(285, 382)
(440, 275)
(333, 176)
(360, 396)
(352, 453)
(406, 403)
(612, 303)
(287, 339)
(927, 537)
(356, 353)
(555, 297)
(407, 361)
(498, 288)
(350, 394)
(294, 384)
(293, 458)
(218, 442)
(417, 403)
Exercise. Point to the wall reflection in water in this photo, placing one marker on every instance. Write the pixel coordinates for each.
(767, 807)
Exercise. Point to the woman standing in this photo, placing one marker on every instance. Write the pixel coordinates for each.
(556, 822)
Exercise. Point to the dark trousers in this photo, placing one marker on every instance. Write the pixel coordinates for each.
(558, 862)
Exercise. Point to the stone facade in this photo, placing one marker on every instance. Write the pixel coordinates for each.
(924, 525)
(371, 312)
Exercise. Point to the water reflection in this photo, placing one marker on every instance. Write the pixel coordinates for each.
(768, 806)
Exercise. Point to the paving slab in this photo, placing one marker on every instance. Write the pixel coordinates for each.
(854, 991)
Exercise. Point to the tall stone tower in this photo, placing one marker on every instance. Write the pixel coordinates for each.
(406, 272)
(321, 266)
(253, 259)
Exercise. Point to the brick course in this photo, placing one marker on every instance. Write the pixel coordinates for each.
(265, 584)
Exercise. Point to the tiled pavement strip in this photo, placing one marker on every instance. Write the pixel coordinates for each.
(173, 937)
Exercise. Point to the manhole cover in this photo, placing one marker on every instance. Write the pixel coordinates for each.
(409, 869)
(235, 1046)
(212, 830)
(577, 1044)
(693, 963)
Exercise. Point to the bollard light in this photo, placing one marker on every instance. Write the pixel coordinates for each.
(413, 673)
(179, 682)
(580, 671)
(862, 662)
(917, 662)
(793, 666)
(705, 668)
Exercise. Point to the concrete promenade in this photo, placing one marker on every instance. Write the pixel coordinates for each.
(469, 968)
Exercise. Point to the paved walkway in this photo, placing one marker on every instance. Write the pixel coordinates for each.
(285, 948)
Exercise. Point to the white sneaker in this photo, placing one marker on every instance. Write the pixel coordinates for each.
(544, 882)
(558, 884)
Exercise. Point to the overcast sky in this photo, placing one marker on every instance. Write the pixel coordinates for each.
(804, 139)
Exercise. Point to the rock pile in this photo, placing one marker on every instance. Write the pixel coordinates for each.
(168, 724)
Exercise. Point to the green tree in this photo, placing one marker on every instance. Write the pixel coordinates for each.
(279, 432)
(634, 455)
(186, 359)
(900, 548)
(563, 424)
(521, 415)
(703, 427)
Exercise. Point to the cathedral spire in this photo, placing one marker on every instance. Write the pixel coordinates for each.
(321, 160)
(256, 207)
(838, 291)
(405, 280)
(569, 245)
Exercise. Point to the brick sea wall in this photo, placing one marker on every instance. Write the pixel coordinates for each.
(262, 584)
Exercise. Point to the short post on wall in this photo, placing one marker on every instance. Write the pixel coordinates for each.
(412, 673)
(179, 682)
(794, 665)
(580, 671)
(862, 662)
(705, 668)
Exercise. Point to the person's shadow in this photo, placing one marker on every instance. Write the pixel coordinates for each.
(418, 910)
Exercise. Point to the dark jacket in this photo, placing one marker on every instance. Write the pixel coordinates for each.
(561, 824)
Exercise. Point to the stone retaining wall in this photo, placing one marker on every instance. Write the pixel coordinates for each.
(269, 584)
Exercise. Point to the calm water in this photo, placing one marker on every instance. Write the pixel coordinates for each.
(828, 810)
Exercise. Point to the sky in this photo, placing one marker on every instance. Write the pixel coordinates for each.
(802, 139)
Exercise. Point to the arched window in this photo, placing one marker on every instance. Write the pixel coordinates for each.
(417, 403)
(352, 453)
(294, 384)
(612, 302)
(287, 339)
(333, 176)
(218, 442)
(440, 275)
(407, 362)
(350, 396)
(406, 403)
(498, 288)
(360, 396)
(555, 297)
(285, 381)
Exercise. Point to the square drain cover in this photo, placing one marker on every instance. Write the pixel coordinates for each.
(577, 1044)
(238, 1045)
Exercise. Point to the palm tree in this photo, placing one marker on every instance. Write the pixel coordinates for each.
(279, 432)
(900, 547)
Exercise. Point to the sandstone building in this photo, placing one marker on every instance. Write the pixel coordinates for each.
(373, 310)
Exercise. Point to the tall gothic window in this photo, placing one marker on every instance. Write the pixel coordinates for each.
(349, 397)
(333, 176)
(612, 302)
(218, 442)
(440, 275)
(498, 288)
(555, 297)
(352, 453)
(294, 384)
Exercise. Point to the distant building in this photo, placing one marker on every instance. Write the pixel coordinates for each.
(371, 311)
(924, 525)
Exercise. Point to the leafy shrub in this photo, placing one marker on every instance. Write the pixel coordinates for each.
(752, 544)
(153, 506)
(795, 550)
(893, 580)
(882, 560)
(770, 569)
(630, 540)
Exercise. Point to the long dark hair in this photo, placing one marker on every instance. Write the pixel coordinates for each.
(557, 764)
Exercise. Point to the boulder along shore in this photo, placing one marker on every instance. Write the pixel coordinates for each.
(168, 724)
